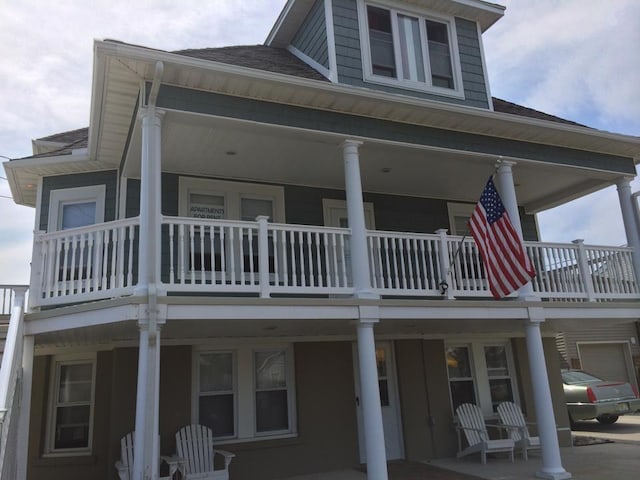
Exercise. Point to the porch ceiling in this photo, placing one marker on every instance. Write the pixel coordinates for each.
(194, 144)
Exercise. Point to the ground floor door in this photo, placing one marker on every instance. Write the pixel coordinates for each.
(389, 400)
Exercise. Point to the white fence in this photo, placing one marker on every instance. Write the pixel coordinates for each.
(86, 263)
(261, 258)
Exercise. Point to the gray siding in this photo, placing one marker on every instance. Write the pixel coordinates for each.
(349, 58)
(107, 178)
(320, 120)
(311, 39)
(613, 332)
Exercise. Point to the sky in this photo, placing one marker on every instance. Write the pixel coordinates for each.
(576, 59)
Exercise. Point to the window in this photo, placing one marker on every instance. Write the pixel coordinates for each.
(459, 214)
(71, 405)
(408, 49)
(76, 207)
(246, 393)
(480, 373)
(217, 199)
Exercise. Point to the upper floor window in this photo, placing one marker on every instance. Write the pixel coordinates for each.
(76, 207)
(406, 49)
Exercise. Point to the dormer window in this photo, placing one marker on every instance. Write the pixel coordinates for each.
(410, 50)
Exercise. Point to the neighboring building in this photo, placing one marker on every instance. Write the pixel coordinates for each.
(193, 261)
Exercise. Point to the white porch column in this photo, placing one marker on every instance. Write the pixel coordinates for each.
(368, 317)
(545, 418)
(22, 443)
(507, 191)
(370, 401)
(355, 212)
(150, 199)
(551, 461)
(631, 227)
(146, 445)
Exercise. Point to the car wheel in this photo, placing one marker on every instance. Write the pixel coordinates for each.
(607, 419)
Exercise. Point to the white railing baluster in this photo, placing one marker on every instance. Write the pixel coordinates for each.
(320, 282)
(172, 277)
(263, 255)
(207, 255)
(132, 237)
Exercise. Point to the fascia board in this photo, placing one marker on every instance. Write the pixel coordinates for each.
(483, 117)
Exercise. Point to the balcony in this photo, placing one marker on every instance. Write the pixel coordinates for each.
(222, 257)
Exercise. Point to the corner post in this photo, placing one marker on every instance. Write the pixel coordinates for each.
(263, 255)
(446, 278)
(585, 274)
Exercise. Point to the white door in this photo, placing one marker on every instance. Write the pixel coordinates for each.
(389, 401)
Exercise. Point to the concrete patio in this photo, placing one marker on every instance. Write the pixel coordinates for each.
(619, 461)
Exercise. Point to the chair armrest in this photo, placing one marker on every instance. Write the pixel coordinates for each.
(228, 456)
(123, 470)
(175, 463)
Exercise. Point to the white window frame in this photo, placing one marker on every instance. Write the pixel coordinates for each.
(458, 210)
(233, 192)
(368, 76)
(59, 198)
(245, 421)
(56, 363)
(480, 374)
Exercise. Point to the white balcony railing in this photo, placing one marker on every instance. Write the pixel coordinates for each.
(260, 258)
(86, 263)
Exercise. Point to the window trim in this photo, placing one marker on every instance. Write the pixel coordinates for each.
(233, 192)
(480, 374)
(458, 210)
(60, 197)
(394, 8)
(245, 418)
(57, 362)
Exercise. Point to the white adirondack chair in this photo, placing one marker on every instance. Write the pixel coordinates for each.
(511, 417)
(125, 464)
(195, 449)
(472, 423)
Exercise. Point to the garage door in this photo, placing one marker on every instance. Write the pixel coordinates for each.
(610, 361)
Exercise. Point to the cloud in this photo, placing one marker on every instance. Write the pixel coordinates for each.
(574, 59)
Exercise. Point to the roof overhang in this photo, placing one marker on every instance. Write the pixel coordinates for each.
(121, 71)
(295, 11)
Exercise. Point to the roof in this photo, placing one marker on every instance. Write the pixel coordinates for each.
(504, 106)
(261, 57)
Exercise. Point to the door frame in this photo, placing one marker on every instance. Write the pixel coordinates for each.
(394, 395)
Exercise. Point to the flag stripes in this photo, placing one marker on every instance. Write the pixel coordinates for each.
(503, 255)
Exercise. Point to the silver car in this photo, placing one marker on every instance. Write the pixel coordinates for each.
(590, 397)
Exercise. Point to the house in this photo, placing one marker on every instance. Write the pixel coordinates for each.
(268, 240)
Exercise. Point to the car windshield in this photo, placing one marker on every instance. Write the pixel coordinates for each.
(575, 377)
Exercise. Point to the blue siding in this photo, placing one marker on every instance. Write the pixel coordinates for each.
(107, 178)
(349, 58)
(311, 39)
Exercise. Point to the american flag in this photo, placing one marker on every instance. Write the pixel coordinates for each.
(505, 261)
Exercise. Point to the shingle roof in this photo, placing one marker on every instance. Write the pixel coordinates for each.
(260, 57)
(504, 106)
(271, 59)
